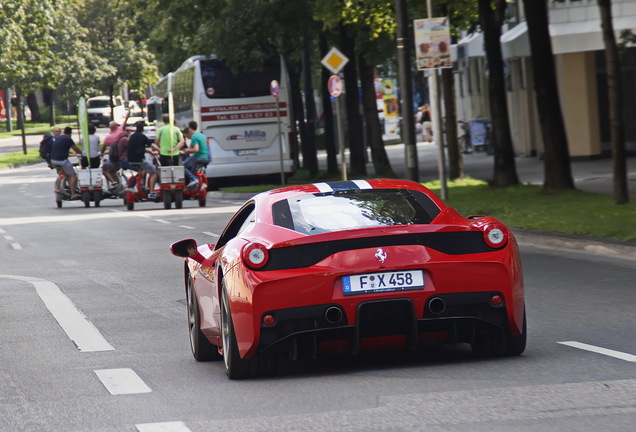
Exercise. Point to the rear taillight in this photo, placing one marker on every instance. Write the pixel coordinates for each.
(495, 235)
(255, 255)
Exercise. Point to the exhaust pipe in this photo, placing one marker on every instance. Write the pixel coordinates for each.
(437, 305)
(333, 315)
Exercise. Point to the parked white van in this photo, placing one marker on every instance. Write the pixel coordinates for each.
(98, 109)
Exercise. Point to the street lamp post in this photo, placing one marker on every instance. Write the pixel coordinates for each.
(406, 91)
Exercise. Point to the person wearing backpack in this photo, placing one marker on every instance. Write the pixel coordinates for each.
(117, 157)
(47, 143)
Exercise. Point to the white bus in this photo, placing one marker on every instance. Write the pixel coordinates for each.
(236, 112)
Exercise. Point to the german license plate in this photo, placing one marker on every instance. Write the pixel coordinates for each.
(382, 282)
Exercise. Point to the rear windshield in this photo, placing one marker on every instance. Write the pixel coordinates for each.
(344, 210)
(98, 103)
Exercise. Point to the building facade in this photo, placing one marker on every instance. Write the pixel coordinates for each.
(577, 44)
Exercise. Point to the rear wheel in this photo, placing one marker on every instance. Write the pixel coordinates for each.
(97, 197)
(517, 343)
(486, 345)
(178, 199)
(130, 205)
(86, 198)
(235, 366)
(167, 199)
(202, 348)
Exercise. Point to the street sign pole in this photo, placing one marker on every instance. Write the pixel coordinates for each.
(274, 89)
(335, 61)
(335, 90)
(341, 142)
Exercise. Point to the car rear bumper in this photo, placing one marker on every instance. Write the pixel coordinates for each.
(306, 331)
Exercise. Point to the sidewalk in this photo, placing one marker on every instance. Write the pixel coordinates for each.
(589, 175)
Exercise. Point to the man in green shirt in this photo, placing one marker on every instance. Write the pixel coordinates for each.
(197, 152)
(169, 140)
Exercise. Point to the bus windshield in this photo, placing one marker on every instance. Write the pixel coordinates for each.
(220, 82)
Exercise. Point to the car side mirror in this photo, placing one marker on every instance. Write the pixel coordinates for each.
(184, 248)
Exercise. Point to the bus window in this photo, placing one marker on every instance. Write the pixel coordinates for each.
(217, 75)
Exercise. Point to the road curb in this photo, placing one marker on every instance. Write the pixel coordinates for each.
(230, 195)
(593, 245)
(546, 239)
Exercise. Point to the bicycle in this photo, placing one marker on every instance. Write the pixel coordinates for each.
(465, 142)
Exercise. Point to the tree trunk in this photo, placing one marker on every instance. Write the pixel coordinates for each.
(330, 140)
(357, 159)
(32, 103)
(295, 111)
(381, 163)
(615, 91)
(491, 18)
(21, 118)
(455, 160)
(50, 96)
(310, 158)
(556, 158)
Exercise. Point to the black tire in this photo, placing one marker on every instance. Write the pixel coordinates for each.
(487, 345)
(167, 199)
(86, 198)
(130, 205)
(235, 366)
(178, 199)
(97, 197)
(59, 204)
(202, 348)
(517, 343)
(202, 201)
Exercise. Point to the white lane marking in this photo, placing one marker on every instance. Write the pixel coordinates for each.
(16, 246)
(116, 214)
(162, 221)
(186, 227)
(8, 237)
(74, 323)
(600, 350)
(211, 234)
(122, 381)
(163, 427)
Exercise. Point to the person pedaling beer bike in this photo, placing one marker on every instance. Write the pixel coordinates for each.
(138, 145)
(60, 149)
(197, 151)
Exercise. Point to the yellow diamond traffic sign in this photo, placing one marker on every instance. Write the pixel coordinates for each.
(334, 60)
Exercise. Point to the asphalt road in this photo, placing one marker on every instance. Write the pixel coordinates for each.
(94, 338)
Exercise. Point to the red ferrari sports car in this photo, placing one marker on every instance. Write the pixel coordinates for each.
(350, 266)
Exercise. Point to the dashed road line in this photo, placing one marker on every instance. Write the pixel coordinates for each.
(78, 328)
(600, 350)
(162, 221)
(16, 246)
(7, 237)
(122, 381)
(186, 227)
(176, 426)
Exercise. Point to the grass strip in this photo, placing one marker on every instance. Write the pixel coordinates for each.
(19, 158)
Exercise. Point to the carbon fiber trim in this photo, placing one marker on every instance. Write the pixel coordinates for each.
(450, 243)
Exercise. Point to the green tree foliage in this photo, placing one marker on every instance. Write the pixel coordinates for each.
(112, 34)
(26, 44)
